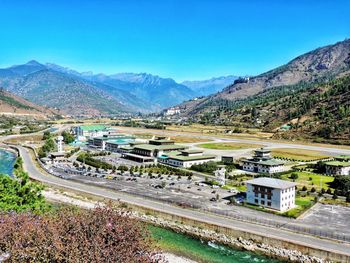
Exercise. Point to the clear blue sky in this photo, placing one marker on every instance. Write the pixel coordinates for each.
(183, 39)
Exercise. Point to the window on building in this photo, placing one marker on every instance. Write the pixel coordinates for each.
(262, 202)
(268, 203)
(256, 201)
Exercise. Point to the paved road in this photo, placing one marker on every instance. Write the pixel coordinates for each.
(326, 245)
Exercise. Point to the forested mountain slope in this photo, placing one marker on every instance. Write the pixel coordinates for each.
(321, 64)
(307, 110)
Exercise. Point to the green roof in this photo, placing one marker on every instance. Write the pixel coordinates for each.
(150, 147)
(263, 150)
(189, 158)
(93, 127)
(192, 151)
(162, 140)
(271, 162)
(126, 147)
(343, 157)
(337, 163)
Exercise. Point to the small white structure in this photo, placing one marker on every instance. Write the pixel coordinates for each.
(172, 111)
(271, 193)
(60, 144)
(220, 176)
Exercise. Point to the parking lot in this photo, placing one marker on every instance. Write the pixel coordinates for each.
(196, 194)
(332, 216)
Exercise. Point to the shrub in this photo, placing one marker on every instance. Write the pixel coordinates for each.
(71, 235)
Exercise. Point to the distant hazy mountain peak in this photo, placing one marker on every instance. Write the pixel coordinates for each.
(210, 86)
(33, 63)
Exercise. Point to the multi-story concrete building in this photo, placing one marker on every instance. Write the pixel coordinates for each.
(271, 193)
(185, 158)
(262, 162)
(111, 143)
(90, 131)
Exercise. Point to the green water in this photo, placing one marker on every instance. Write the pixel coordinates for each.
(7, 160)
(201, 251)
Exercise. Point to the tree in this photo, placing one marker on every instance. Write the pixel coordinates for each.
(20, 194)
(348, 199)
(46, 135)
(67, 137)
(294, 176)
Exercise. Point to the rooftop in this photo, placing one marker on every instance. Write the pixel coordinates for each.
(337, 163)
(343, 157)
(192, 151)
(263, 150)
(93, 127)
(270, 162)
(271, 182)
(150, 147)
(180, 157)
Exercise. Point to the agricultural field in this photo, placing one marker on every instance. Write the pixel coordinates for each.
(229, 146)
(297, 154)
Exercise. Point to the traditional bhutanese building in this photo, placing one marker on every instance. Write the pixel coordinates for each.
(262, 162)
(340, 166)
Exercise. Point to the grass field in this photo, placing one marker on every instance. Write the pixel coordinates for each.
(298, 154)
(316, 180)
(229, 146)
(185, 139)
(303, 203)
(36, 138)
(220, 130)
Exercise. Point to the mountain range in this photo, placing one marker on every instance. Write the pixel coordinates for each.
(89, 94)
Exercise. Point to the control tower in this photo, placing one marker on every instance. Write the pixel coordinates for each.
(59, 141)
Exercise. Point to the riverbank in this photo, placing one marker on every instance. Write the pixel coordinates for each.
(186, 247)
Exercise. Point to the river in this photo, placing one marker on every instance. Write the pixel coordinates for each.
(201, 251)
(7, 160)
